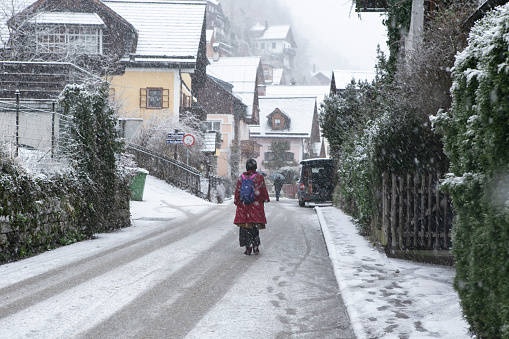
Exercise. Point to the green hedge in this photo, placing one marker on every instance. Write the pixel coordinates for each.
(476, 138)
(39, 213)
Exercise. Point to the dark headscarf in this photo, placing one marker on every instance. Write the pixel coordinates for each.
(251, 165)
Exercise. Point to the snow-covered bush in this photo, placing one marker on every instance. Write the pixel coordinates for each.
(396, 142)
(154, 133)
(93, 145)
(476, 138)
(341, 115)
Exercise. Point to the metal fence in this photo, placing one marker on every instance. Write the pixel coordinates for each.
(29, 131)
(175, 172)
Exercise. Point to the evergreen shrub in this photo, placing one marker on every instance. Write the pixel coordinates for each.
(476, 139)
(93, 141)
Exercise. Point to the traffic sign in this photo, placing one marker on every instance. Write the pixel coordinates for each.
(188, 140)
(175, 135)
(174, 142)
(175, 139)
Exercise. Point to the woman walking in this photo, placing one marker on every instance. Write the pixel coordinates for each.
(250, 215)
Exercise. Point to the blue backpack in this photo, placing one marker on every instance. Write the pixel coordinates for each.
(247, 195)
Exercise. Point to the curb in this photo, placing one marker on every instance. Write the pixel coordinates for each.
(343, 287)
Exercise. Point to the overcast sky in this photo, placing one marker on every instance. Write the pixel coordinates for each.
(338, 39)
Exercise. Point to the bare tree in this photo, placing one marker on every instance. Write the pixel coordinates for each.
(424, 76)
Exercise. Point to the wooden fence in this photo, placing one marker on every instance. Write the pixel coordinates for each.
(416, 214)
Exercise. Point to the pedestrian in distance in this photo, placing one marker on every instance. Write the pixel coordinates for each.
(250, 196)
(278, 184)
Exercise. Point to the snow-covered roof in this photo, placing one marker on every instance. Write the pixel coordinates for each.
(241, 72)
(71, 18)
(319, 92)
(300, 110)
(277, 75)
(165, 28)
(344, 77)
(258, 27)
(276, 33)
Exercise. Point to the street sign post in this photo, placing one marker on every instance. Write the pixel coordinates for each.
(175, 139)
(188, 140)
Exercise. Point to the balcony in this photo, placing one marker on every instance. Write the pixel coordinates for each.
(249, 149)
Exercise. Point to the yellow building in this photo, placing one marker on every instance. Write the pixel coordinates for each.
(167, 59)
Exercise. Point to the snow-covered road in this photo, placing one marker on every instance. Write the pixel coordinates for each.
(179, 273)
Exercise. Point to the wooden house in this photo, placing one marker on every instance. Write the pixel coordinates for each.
(50, 43)
(218, 33)
(274, 76)
(318, 78)
(85, 32)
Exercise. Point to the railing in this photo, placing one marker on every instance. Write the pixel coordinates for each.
(175, 172)
(30, 131)
(416, 214)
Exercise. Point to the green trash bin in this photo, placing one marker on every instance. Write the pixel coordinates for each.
(138, 184)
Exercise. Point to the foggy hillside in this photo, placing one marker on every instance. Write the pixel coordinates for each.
(244, 14)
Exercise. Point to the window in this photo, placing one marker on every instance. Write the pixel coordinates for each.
(277, 123)
(288, 156)
(273, 45)
(154, 98)
(212, 126)
(69, 39)
(262, 45)
(267, 156)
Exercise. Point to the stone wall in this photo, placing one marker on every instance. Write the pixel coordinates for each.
(38, 214)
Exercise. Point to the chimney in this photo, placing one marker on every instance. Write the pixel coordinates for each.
(266, 24)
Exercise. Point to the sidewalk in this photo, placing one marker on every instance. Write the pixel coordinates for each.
(386, 297)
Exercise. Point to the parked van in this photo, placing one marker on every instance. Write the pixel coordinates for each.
(315, 182)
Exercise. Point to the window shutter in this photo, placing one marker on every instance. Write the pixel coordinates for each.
(166, 98)
(143, 97)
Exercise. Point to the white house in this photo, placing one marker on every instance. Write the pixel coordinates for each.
(275, 44)
(290, 119)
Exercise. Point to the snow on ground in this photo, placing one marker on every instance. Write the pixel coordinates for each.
(385, 297)
(161, 202)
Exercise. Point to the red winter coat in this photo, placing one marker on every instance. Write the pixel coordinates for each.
(254, 212)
